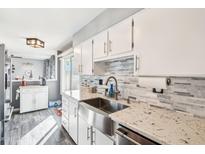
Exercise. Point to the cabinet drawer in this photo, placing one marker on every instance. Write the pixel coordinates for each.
(65, 123)
(34, 90)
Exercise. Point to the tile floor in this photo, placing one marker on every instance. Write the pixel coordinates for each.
(21, 124)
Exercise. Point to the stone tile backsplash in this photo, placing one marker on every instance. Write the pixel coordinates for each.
(184, 93)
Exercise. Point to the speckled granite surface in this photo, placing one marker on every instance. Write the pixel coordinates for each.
(161, 125)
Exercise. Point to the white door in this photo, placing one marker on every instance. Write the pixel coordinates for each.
(41, 100)
(77, 60)
(100, 45)
(120, 37)
(27, 102)
(73, 126)
(84, 132)
(87, 58)
(100, 139)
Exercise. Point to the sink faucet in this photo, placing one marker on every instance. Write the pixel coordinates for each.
(116, 87)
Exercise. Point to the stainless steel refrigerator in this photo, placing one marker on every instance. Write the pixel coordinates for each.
(2, 90)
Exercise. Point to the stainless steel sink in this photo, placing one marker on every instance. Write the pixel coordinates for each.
(105, 105)
(96, 112)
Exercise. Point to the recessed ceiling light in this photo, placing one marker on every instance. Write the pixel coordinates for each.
(34, 42)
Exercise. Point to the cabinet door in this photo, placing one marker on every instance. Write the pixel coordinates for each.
(87, 58)
(100, 45)
(65, 107)
(100, 139)
(73, 127)
(65, 123)
(41, 100)
(77, 60)
(84, 133)
(120, 37)
(170, 41)
(27, 102)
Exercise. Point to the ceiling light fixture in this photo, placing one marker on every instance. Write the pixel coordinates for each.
(34, 42)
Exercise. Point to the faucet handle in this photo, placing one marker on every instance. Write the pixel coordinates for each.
(117, 92)
(130, 97)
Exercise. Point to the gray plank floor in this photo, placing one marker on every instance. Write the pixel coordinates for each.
(21, 124)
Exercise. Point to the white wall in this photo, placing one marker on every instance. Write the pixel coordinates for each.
(37, 67)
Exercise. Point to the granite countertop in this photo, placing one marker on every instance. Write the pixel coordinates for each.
(80, 94)
(160, 125)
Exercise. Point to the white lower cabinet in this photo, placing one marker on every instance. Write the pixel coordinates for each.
(41, 100)
(69, 117)
(88, 135)
(33, 98)
(80, 131)
(84, 132)
(29, 105)
(73, 120)
(100, 139)
(65, 107)
(65, 123)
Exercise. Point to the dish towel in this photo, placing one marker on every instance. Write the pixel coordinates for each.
(17, 94)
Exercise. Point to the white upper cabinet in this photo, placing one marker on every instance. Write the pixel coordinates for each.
(170, 41)
(120, 37)
(87, 58)
(100, 45)
(83, 58)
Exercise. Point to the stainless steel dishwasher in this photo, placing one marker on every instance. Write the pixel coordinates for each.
(126, 136)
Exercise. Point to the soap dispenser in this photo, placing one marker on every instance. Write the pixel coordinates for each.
(111, 91)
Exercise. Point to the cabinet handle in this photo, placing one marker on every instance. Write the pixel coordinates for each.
(79, 68)
(110, 44)
(93, 137)
(105, 47)
(132, 35)
(75, 112)
(137, 63)
(88, 129)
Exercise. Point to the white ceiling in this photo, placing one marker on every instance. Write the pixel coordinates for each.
(53, 26)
